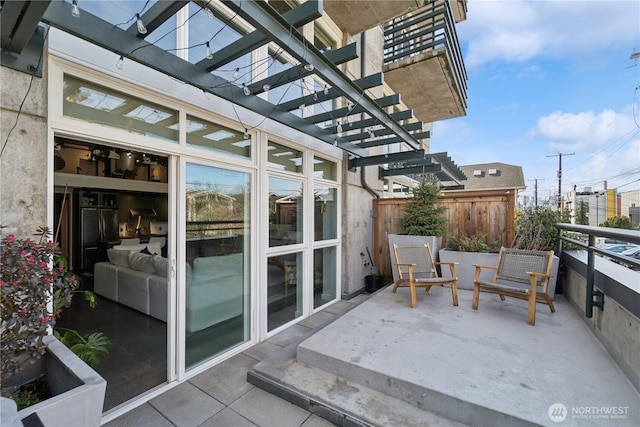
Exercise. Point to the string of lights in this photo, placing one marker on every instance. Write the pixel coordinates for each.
(252, 67)
(135, 16)
(241, 72)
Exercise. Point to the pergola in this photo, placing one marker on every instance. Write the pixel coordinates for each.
(370, 124)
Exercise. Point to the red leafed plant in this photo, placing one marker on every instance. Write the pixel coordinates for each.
(34, 286)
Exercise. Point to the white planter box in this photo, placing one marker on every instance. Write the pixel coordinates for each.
(435, 243)
(78, 390)
(466, 271)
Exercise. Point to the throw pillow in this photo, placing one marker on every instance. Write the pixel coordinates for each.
(154, 248)
(141, 262)
(160, 265)
(118, 257)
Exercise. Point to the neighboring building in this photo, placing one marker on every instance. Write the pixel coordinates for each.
(630, 206)
(601, 205)
(493, 176)
(253, 146)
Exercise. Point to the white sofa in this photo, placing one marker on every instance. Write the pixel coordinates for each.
(215, 290)
(215, 285)
(134, 279)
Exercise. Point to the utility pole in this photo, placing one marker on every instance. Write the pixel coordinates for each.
(559, 156)
(535, 190)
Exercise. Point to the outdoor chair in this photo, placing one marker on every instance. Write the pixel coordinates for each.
(416, 268)
(527, 273)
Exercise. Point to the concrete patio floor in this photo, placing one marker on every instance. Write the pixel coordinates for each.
(384, 363)
(221, 396)
(375, 361)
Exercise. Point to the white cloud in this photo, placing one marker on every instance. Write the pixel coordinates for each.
(583, 129)
(516, 30)
(603, 145)
(617, 165)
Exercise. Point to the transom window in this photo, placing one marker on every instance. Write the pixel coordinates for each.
(93, 103)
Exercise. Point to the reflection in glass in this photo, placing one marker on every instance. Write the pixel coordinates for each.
(217, 261)
(285, 211)
(324, 276)
(98, 104)
(284, 158)
(202, 133)
(325, 169)
(284, 291)
(325, 213)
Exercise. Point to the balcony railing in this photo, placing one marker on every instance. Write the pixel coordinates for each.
(422, 35)
(595, 298)
(591, 278)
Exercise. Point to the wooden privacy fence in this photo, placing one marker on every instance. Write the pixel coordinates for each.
(479, 213)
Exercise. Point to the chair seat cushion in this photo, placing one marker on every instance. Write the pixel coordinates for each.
(502, 287)
(437, 280)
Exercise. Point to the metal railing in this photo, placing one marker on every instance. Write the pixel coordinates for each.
(428, 28)
(219, 228)
(596, 298)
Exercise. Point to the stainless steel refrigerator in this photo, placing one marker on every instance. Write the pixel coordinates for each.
(97, 225)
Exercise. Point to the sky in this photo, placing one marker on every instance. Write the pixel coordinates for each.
(548, 78)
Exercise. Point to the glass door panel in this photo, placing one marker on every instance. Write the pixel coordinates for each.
(284, 290)
(218, 207)
(131, 282)
(285, 211)
(324, 276)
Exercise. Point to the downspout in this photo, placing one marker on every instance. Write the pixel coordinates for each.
(363, 58)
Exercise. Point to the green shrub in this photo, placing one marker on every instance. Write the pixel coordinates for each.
(471, 244)
(535, 228)
(421, 215)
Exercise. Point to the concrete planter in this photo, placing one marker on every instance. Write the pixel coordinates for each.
(434, 242)
(78, 391)
(466, 271)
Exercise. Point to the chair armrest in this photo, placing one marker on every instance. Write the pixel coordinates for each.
(452, 267)
(535, 278)
(479, 269)
(491, 267)
(409, 266)
(544, 275)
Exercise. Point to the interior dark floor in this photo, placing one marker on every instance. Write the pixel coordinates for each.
(137, 359)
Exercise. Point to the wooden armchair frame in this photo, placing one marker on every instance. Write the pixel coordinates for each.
(526, 267)
(417, 269)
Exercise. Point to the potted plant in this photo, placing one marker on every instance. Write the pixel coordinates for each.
(469, 251)
(423, 220)
(535, 229)
(35, 287)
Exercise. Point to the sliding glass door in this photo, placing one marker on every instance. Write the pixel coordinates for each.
(217, 261)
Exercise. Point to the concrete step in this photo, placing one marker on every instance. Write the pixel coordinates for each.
(395, 397)
(340, 401)
(485, 367)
